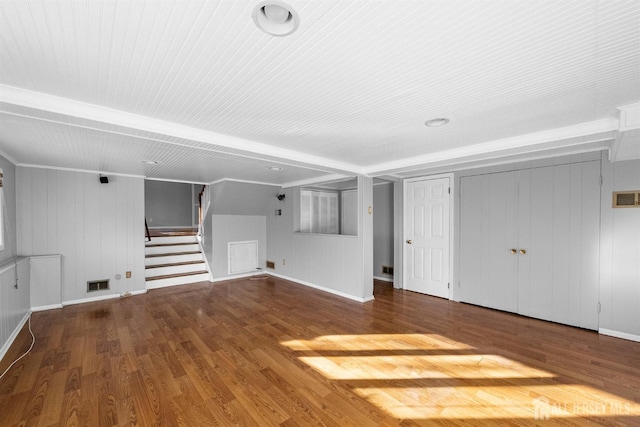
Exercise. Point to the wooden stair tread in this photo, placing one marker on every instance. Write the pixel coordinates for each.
(171, 276)
(177, 231)
(172, 254)
(157, 245)
(175, 264)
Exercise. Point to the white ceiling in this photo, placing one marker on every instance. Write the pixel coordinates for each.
(194, 85)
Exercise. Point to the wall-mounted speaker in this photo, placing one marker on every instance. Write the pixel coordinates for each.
(104, 179)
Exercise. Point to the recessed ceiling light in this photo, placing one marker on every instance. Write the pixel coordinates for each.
(275, 17)
(274, 168)
(434, 123)
(149, 162)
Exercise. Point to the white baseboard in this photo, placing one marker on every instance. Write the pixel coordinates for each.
(321, 288)
(384, 279)
(102, 297)
(14, 335)
(618, 334)
(46, 307)
(90, 299)
(237, 276)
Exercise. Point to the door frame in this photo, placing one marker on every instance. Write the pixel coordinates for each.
(452, 208)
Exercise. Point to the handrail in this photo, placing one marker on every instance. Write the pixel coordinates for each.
(200, 213)
(146, 227)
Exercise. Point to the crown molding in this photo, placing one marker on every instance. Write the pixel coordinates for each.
(8, 158)
(234, 145)
(629, 117)
(311, 181)
(177, 181)
(243, 181)
(554, 140)
(57, 168)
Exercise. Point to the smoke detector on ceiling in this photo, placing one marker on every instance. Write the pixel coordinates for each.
(275, 17)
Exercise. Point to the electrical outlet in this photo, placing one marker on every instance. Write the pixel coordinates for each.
(128, 275)
(284, 262)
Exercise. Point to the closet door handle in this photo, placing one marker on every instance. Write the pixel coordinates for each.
(410, 242)
(523, 251)
(514, 251)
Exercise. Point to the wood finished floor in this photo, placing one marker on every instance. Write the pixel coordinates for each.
(269, 352)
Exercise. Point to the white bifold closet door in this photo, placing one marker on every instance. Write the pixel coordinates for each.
(529, 242)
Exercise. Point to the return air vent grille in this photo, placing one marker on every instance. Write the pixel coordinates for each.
(97, 285)
(271, 265)
(626, 199)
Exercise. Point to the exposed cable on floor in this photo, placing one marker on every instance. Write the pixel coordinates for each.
(33, 341)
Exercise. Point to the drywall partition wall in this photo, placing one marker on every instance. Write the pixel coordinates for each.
(241, 198)
(620, 253)
(98, 229)
(335, 263)
(382, 229)
(235, 228)
(168, 204)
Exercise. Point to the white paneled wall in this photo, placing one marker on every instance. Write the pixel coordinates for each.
(46, 292)
(14, 303)
(620, 254)
(97, 228)
(335, 263)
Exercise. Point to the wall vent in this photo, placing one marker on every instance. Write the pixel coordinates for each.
(626, 199)
(387, 270)
(97, 285)
(271, 265)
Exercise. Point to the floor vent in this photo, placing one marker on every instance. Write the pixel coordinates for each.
(387, 270)
(271, 265)
(97, 285)
(626, 199)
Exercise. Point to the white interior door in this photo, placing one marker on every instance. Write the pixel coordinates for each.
(427, 238)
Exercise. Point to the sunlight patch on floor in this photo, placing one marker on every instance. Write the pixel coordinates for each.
(427, 376)
(477, 366)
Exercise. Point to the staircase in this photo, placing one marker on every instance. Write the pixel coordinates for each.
(172, 260)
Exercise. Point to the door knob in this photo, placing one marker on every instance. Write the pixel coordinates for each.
(514, 251)
(523, 251)
(410, 241)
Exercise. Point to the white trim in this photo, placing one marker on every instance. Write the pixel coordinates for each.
(45, 102)
(618, 334)
(174, 180)
(91, 299)
(138, 292)
(311, 181)
(11, 263)
(321, 288)
(563, 138)
(9, 158)
(7, 345)
(27, 165)
(499, 160)
(452, 199)
(629, 117)
(237, 276)
(204, 257)
(383, 279)
(46, 307)
(244, 181)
